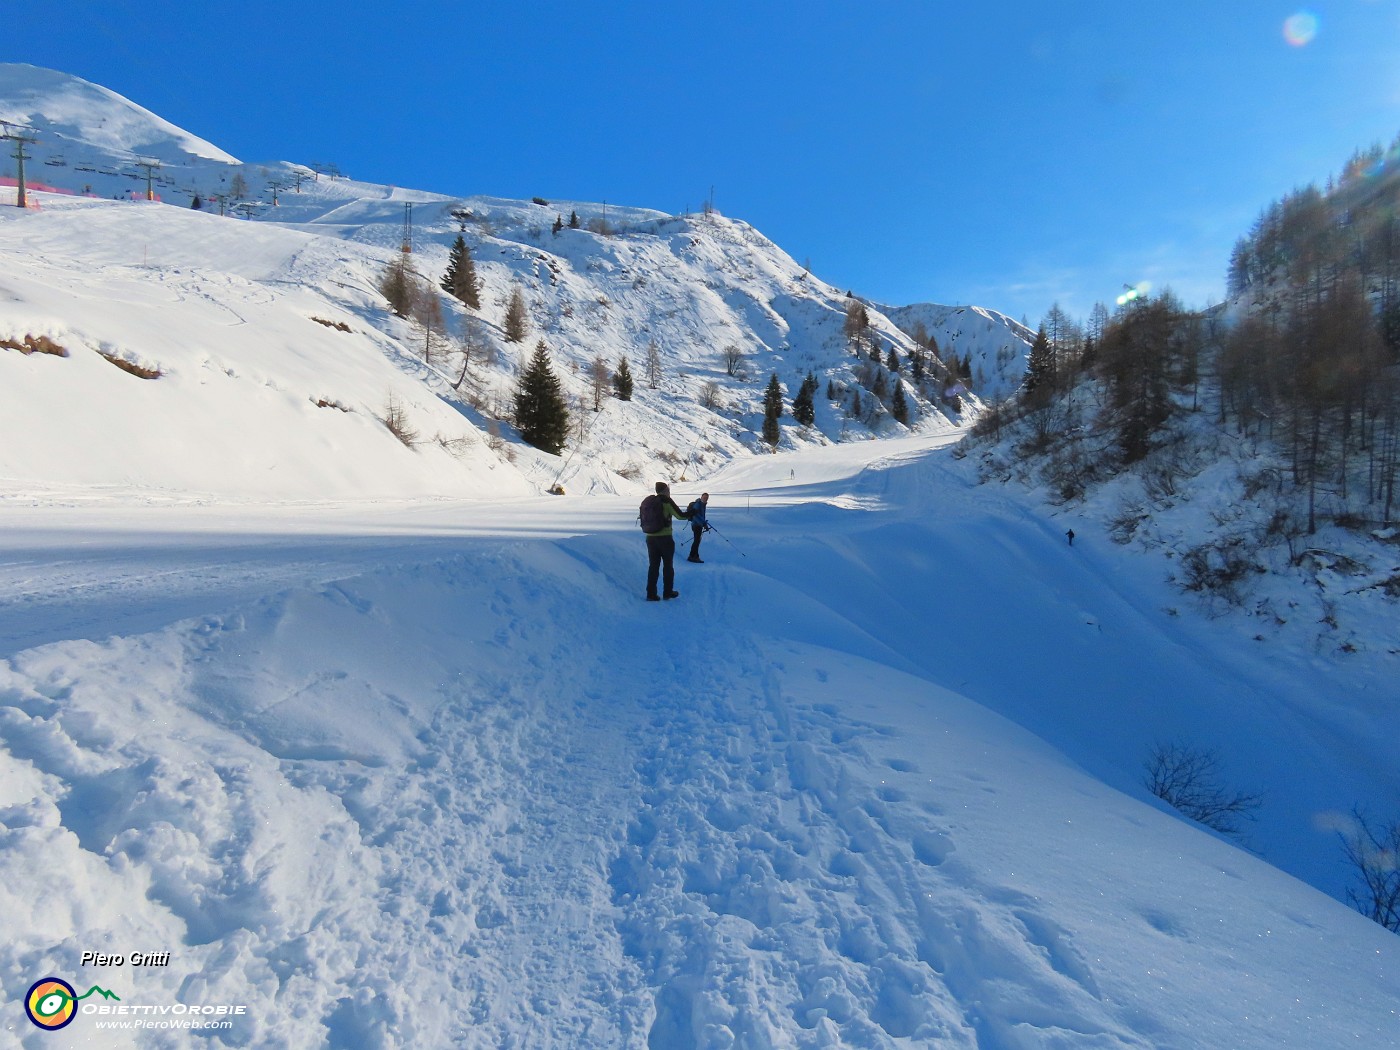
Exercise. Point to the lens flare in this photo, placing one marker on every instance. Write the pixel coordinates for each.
(1300, 29)
(1133, 292)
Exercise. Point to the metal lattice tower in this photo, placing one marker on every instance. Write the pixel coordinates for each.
(21, 136)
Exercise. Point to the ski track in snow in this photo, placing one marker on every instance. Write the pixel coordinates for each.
(494, 800)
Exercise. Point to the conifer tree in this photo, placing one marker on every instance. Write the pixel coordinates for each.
(573, 220)
(803, 407)
(517, 322)
(892, 360)
(622, 380)
(460, 280)
(772, 411)
(899, 407)
(541, 413)
(1039, 368)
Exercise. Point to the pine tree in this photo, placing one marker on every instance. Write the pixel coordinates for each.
(460, 279)
(855, 404)
(558, 224)
(892, 360)
(803, 407)
(899, 407)
(622, 380)
(573, 220)
(541, 413)
(1039, 368)
(517, 322)
(772, 411)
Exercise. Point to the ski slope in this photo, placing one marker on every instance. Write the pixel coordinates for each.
(429, 773)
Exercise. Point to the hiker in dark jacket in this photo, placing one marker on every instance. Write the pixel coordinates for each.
(661, 545)
(698, 525)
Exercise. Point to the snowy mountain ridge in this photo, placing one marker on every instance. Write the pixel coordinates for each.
(695, 287)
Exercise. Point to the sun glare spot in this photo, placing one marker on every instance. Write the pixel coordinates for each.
(1300, 29)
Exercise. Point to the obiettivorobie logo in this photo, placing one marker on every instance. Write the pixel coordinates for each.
(52, 1002)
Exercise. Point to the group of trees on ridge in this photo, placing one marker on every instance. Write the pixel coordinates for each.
(1307, 355)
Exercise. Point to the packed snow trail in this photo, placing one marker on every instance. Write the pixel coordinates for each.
(494, 799)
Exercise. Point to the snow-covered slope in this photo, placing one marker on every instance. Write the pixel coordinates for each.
(431, 775)
(288, 303)
(384, 750)
(996, 345)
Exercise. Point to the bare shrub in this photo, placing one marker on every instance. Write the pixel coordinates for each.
(395, 417)
(458, 447)
(1188, 779)
(1218, 568)
(1123, 525)
(711, 396)
(733, 359)
(1373, 851)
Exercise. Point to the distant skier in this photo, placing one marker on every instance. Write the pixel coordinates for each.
(698, 525)
(656, 514)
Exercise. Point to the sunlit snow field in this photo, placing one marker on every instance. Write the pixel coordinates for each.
(431, 773)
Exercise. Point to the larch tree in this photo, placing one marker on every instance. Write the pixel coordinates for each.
(517, 321)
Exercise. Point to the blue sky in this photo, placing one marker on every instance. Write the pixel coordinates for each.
(1011, 155)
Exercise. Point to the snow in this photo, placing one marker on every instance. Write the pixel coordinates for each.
(430, 773)
(384, 748)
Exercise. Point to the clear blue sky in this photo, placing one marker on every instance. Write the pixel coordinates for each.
(1007, 154)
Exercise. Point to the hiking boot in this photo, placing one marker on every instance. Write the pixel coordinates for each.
(652, 598)
(671, 594)
(697, 561)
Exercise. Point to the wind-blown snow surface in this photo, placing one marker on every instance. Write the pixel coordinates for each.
(431, 774)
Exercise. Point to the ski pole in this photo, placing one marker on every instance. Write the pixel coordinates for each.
(727, 540)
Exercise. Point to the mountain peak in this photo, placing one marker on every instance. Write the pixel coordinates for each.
(67, 108)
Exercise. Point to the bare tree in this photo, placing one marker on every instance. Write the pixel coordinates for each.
(1374, 854)
(600, 378)
(426, 312)
(653, 365)
(1188, 779)
(733, 359)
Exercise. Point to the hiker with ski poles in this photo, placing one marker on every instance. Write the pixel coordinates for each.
(698, 525)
